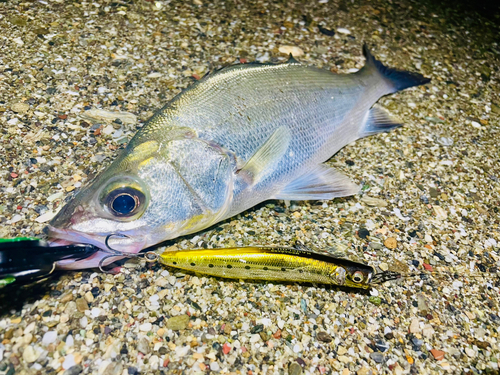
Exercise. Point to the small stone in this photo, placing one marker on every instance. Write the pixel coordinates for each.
(145, 327)
(364, 371)
(257, 328)
(375, 245)
(343, 30)
(391, 243)
(30, 355)
(226, 348)
(74, 370)
(324, 337)
(295, 51)
(20, 107)
(160, 332)
(66, 298)
(437, 354)
(114, 368)
(214, 366)
(49, 337)
(373, 202)
(377, 301)
(82, 305)
(469, 351)
(363, 233)
(377, 357)
(143, 346)
(227, 329)
(294, 369)
(177, 323)
(89, 297)
(414, 326)
(341, 350)
(383, 266)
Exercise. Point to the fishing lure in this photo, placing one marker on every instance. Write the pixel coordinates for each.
(297, 264)
(27, 259)
(281, 264)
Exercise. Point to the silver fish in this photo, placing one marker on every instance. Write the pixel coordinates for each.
(240, 136)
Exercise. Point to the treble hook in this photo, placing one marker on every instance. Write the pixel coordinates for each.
(150, 256)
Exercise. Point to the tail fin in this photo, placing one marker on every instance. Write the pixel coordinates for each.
(397, 79)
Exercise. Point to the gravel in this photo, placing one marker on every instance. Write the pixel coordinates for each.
(79, 78)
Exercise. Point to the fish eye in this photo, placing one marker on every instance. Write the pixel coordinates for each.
(358, 277)
(125, 201)
(124, 198)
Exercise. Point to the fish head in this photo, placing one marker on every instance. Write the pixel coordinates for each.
(155, 191)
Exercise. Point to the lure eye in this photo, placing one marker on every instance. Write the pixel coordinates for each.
(124, 199)
(358, 277)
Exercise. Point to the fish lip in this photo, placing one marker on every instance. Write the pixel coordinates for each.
(71, 236)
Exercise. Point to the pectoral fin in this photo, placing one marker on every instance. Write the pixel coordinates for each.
(269, 153)
(321, 182)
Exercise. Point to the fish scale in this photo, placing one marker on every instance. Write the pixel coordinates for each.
(237, 137)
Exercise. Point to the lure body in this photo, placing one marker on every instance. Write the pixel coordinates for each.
(272, 264)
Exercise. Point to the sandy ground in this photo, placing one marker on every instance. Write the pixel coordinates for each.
(432, 188)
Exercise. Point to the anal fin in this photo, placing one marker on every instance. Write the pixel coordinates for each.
(378, 121)
(321, 182)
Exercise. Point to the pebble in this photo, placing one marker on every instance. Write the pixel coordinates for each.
(214, 366)
(391, 243)
(30, 355)
(377, 357)
(226, 348)
(375, 245)
(323, 336)
(437, 354)
(20, 108)
(342, 30)
(89, 297)
(82, 305)
(177, 323)
(383, 266)
(470, 352)
(415, 326)
(373, 202)
(294, 369)
(69, 361)
(74, 370)
(143, 346)
(49, 337)
(145, 327)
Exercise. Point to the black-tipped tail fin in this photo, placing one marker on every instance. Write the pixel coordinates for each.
(398, 79)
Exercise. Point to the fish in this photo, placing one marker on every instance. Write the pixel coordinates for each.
(280, 264)
(239, 136)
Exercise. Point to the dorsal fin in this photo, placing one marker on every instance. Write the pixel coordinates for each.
(291, 60)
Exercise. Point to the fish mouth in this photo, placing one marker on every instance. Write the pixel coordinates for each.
(60, 237)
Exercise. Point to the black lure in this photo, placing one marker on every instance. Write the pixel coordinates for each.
(27, 259)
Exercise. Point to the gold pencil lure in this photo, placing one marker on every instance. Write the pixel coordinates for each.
(281, 264)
